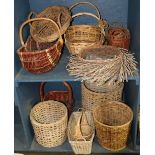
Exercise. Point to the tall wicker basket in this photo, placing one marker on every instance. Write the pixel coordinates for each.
(112, 121)
(90, 97)
(49, 121)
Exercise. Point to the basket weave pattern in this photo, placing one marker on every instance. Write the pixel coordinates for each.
(49, 121)
(90, 98)
(112, 121)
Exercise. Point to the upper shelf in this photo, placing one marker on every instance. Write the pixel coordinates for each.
(59, 73)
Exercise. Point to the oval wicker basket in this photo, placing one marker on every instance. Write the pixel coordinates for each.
(43, 31)
(90, 98)
(39, 59)
(49, 121)
(78, 37)
(113, 122)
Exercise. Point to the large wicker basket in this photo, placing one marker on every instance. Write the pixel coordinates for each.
(43, 31)
(81, 146)
(78, 37)
(90, 97)
(113, 122)
(39, 59)
(49, 121)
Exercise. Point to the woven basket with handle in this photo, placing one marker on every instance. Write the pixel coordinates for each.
(39, 58)
(113, 122)
(49, 121)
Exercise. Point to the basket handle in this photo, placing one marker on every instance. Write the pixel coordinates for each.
(37, 19)
(30, 15)
(69, 88)
(92, 5)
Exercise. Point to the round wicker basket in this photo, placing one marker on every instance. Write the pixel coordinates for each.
(113, 122)
(49, 121)
(90, 98)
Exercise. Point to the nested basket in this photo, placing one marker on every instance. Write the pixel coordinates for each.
(49, 121)
(118, 36)
(113, 122)
(39, 57)
(43, 31)
(80, 145)
(91, 97)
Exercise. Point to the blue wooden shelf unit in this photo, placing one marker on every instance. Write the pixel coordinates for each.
(27, 84)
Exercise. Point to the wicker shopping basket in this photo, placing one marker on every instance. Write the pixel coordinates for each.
(39, 59)
(93, 97)
(49, 121)
(43, 31)
(113, 122)
(79, 143)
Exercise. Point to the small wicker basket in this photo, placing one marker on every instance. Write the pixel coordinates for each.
(49, 121)
(90, 98)
(113, 122)
(80, 146)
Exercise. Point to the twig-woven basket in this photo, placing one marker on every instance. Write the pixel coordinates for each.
(44, 31)
(80, 146)
(49, 121)
(39, 57)
(101, 64)
(90, 97)
(113, 122)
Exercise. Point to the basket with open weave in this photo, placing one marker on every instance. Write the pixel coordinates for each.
(39, 57)
(49, 121)
(102, 64)
(43, 31)
(113, 123)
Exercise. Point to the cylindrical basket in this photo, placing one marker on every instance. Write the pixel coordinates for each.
(80, 146)
(90, 97)
(113, 122)
(36, 59)
(49, 121)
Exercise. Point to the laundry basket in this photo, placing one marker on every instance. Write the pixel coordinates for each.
(112, 121)
(90, 97)
(49, 121)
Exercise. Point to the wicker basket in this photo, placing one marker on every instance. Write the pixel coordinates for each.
(43, 31)
(113, 122)
(49, 121)
(90, 98)
(78, 37)
(39, 59)
(80, 146)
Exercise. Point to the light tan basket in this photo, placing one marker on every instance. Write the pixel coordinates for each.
(113, 122)
(81, 145)
(89, 97)
(49, 121)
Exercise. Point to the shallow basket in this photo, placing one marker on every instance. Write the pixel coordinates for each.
(84, 146)
(90, 97)
(49, 121)
(39, 57)
(113, 122)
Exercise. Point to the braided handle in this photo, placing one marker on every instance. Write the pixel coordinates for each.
(37, 19)
(90, 4)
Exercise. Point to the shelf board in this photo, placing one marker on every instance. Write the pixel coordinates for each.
(59, 73)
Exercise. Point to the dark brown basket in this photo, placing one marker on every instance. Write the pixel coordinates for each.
(39, 58)
(113, 122)
(65, 97)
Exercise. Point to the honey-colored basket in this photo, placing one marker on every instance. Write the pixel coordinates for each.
(90, 97)
(113, 122)
(43, 31)
(78, 37)
(81, 145)
(39, 57)
(49, 121)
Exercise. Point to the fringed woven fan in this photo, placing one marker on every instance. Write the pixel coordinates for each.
(103, 64)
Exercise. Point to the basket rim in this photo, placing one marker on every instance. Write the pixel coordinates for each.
(117, 126)
(49, 124)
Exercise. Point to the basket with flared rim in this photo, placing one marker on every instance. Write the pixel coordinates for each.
(113, 122)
